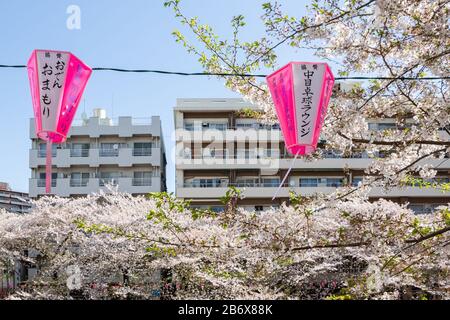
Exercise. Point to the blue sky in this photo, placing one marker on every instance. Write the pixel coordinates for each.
(127, 34)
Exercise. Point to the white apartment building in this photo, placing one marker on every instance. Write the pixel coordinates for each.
(218, 145)
(125, 152)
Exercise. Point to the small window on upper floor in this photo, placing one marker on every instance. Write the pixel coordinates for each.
(79, 149)
(309, 182)
(42, 150)
(142, 149)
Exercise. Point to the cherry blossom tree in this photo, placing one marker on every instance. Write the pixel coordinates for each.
(350, 250)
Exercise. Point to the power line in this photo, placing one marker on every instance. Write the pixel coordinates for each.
(179, 73)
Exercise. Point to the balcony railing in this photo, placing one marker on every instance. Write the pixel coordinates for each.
(79, 182)
(262, 184)
(140, 182)
(256, 126)
(239, 155)
(43, 153)
(79, 153)
(41, 183)
(322, 184)
(271, 184)
(109, 152)
(201, 127)
(206, 184)
(272, 154)
(140, 152)
(224, 126)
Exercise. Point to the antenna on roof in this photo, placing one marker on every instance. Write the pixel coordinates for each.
(84, 117)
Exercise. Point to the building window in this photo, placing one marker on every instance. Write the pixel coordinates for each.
(356, 181)
(142, 149)
(218, 126)
(247, 182)
(217, 209)
(79, 150)
(386, 126)
(79, 179)
(206, 183)
(321, 182)
(109, 149)
(270, 182)
(254, 124)
(259, 208)
(309, 182)
(206, 126)
(359, 155)
(109, 178)
(269, 153)
(334, 182)
(42, 150)
(42, 176)
(213, 153)
(142, 178)
(441, 180)
(423, 208)
(246, 154)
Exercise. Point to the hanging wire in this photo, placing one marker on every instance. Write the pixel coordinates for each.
(179, 73)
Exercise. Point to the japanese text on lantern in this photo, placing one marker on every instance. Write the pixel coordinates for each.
(307, 101)
(307, 91)
(52, 74)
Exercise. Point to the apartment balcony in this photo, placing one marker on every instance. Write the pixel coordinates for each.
(123, 157)
(141, 182)
(255, 190)
(79, 153)
(268, 190)
(79, 182)
(187, 162)
(266, 162)
(225, 127)
(407, 192)
(214, 132)
(143, 152)
(42, 183)
(66, 187)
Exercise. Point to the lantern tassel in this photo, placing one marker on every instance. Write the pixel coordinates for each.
(48, 168)
(286, 175)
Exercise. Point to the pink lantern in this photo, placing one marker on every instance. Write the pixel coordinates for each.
(57, 81)
(301, 92)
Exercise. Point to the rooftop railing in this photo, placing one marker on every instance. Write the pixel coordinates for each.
(139, 121)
